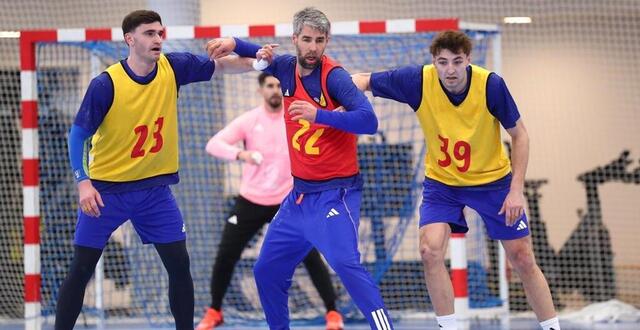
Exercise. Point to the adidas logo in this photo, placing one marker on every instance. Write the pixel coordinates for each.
(521, 225)
(233, 220)
(332, 213)
(184, 228)
(286, 93)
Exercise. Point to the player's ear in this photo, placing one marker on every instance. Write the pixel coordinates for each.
(128, 38)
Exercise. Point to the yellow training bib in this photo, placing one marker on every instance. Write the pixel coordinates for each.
(464, 146)
(138, 138)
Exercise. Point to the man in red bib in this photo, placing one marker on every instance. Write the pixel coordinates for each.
(323, 209)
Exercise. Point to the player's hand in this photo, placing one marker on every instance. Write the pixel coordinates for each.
(267, 52)
(220, 47)
(90, 199)
(303, 110)
(251, 157)
(513, 207)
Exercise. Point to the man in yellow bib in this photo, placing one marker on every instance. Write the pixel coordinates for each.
(129, 117)
(460, 108)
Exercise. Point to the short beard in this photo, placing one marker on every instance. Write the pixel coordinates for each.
(306, 65)
(275, 102)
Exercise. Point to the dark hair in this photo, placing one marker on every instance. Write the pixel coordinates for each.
(262, 77)
(138, 17)
(454, 41)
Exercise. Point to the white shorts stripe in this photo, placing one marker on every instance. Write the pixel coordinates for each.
(381, 317)
(386, 320)
(375, 319)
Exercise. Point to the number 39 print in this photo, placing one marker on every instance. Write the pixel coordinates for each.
(461, 151)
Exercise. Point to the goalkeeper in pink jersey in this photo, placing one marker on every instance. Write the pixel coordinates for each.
(266, 180)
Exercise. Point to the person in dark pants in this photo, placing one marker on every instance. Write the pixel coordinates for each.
(123, 150)
(266, 180)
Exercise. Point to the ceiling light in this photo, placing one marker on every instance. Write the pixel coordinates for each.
(9, 34)
(517, 20)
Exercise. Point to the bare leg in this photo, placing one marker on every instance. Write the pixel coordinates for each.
(520, 254)
(433, 246)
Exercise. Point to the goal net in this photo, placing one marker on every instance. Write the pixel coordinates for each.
(131, 282)
(571, 72)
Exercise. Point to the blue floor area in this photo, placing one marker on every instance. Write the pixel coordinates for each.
(512, 324)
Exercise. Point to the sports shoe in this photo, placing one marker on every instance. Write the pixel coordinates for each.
(212, 318)
(334, 321)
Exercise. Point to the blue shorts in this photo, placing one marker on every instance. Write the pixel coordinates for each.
(153, 212)
(443, 203)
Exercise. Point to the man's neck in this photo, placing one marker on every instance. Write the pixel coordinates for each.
(139, 67)
(458, 90)
(303, 71)
(271, 109)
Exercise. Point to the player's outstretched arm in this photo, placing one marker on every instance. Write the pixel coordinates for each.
(362, 81)
(403, 84)
(238, 64)
(233, 64)
(221, 47)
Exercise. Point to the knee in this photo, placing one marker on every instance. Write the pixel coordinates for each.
(432, 254)
(522, 259)
(225, 259)
(343, 266)
(260, 271)
(80, 274)
(178, 268)
(82, 271)
(184, 263)
(174, 256)
(179, 265)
